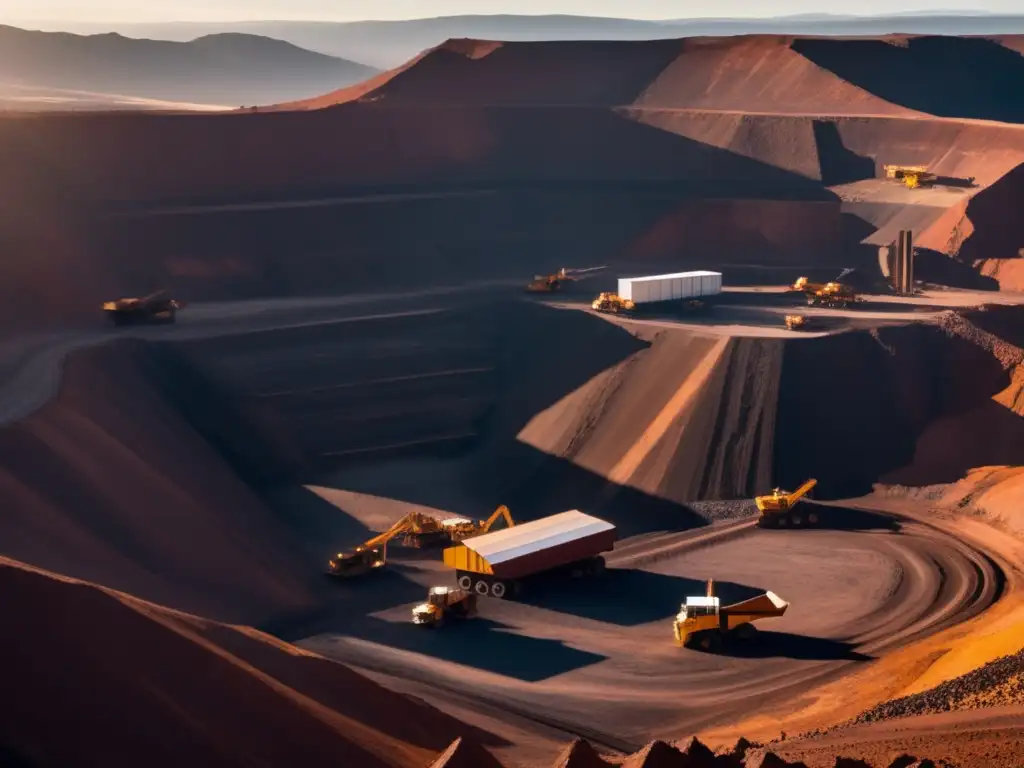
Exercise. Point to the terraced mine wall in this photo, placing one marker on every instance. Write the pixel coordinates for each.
(150, 472)
(364, 197)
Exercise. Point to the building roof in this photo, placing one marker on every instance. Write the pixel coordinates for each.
(699, 273)
(535, 536)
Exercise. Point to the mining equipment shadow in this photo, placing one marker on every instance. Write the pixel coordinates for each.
(767, 644)
(931, 266)
(834, 518)
(481, 643)
(626, 597)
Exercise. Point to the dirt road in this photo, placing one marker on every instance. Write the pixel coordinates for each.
(599, 661)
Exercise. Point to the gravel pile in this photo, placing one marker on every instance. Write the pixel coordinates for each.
(955, 324)
(997, 683)
(715, 511)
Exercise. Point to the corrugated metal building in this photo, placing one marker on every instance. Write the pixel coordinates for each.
(533, 547)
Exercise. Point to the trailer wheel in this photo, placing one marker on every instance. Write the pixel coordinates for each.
(746, 631)
(497, 590)
(482, 588)
(796, 521)
(465, 582)
(812, 518)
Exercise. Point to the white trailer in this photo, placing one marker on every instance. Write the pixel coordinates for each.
(680, 286)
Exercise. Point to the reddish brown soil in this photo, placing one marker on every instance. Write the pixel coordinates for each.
(80, 659)
(683, 171)
(111, 484)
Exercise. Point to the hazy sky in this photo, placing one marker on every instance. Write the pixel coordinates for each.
(15, 11)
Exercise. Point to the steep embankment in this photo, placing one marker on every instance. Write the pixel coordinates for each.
(97, 677)
(111, 483)
(692, 417)
(910, 405)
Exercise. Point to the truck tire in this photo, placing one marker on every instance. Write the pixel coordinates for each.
(812, 519)
(465, 582)
(797, 521)
(482, 588)
(498, 590)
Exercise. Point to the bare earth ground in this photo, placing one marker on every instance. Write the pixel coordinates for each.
(531, 673)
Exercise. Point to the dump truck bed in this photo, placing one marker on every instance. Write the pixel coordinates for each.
(534, 547)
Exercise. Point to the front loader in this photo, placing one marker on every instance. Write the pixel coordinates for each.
(444, 602)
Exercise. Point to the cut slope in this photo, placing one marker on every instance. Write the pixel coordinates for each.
(929, 74)
(184, 691)
(912, 405)
(690, 418)
(111, 484)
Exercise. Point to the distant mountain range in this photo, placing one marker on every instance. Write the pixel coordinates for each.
(387, 44)
(52, 69)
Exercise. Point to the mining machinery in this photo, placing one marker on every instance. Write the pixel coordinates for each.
(416, 530)
(612, 303)
(912, 176)
(443, 602)
(776, 508)
(702, 622)
(830, 294)
(555, 282)
(157, 307)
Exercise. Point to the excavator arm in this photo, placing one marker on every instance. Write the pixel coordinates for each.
(800, 492)
(498, 514)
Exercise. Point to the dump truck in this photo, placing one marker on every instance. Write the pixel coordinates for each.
(555, 282)
(443, 602)
(157, 307)
(416, 530)
(498, 564)
(702, 622)
(690, 291)
(776, 508)
(912, 176)
(796, 322)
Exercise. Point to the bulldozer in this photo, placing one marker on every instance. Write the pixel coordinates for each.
(612, 303)
(416, 530)
(776, 508)
(157, 307)
(702, 622)
(912, 176)
(443, 602)
(555, 282)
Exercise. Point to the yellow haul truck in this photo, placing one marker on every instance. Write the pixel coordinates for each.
(443, 602)
(702, 622)
(776, 508)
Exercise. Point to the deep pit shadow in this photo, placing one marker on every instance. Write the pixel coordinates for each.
(849, 519)
(931, 266)
(944, 76)
(768, 644)
(904, 404)
(839, 165)
(344, 600)
(626, 597)
(480, 643)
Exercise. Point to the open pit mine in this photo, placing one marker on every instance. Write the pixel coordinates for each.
(295, 472)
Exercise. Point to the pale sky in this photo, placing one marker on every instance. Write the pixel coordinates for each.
(20, 11)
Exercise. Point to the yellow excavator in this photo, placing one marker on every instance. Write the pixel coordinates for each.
(552, 283)
(777, 508)
(157, 307)
(702, 622)
(416, 530)
(443, 602)
(912, 176)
